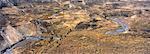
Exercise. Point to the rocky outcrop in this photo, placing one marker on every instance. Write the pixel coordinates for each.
(3, 20)
(4, 3)
(103, 1)
(9, 37)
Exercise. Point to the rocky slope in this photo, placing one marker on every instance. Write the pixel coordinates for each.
(74, 27)
(4, 3)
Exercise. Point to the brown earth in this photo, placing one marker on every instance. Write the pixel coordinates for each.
(77, 31)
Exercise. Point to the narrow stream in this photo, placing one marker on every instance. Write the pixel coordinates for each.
(123, 27)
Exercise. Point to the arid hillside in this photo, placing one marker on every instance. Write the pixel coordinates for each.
(74, 27)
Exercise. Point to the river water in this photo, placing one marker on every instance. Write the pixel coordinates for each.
(123, 27)
(22, 42)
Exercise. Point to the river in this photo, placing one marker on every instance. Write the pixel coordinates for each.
(22, 42)
(123, 27)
